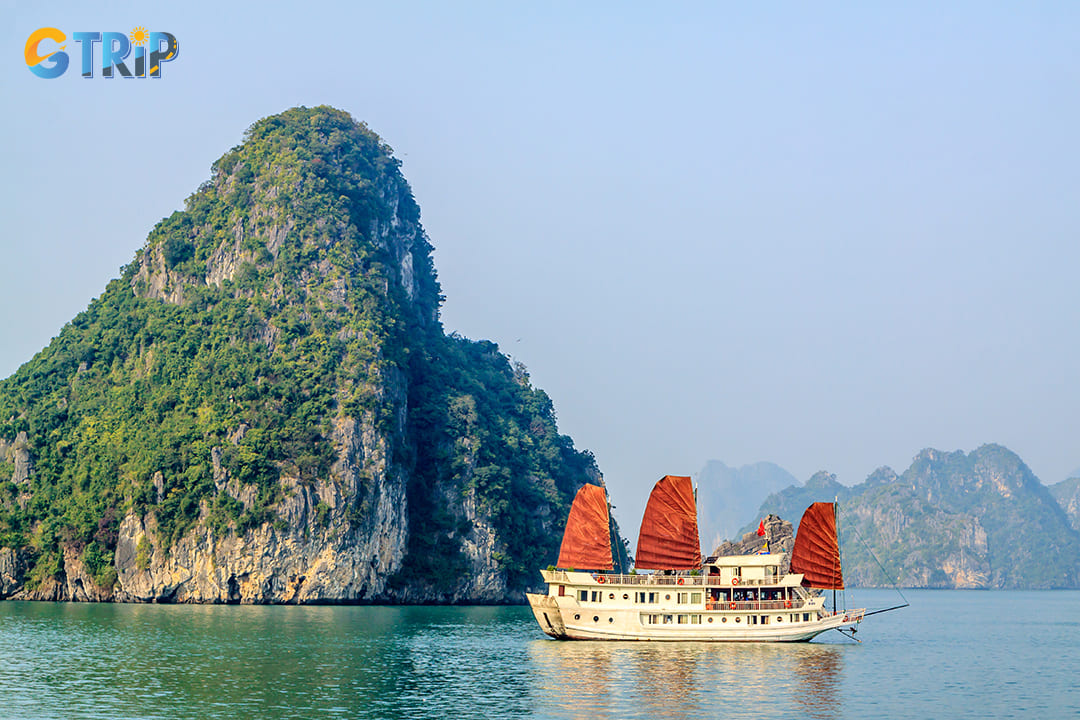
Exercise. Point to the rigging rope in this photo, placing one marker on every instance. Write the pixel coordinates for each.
(884, 572)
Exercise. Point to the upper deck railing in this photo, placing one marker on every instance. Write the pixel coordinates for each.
(670, 580)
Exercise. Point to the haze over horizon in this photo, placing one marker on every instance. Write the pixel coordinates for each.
(825, 237)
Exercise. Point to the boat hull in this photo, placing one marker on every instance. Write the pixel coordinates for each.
(586, 606)
(571, 623)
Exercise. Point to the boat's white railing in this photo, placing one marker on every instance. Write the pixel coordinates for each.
(673, 580)
(755, 605)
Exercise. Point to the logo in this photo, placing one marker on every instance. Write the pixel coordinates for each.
(46, 58)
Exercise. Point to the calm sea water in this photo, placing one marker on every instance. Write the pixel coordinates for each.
(949, 655)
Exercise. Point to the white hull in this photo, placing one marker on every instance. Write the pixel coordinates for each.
(666, 608)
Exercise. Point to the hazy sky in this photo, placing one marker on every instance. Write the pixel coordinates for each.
(824, 235)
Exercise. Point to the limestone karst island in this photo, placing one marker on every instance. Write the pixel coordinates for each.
(264, 408)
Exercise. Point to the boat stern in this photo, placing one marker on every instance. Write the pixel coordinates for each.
(546, 611)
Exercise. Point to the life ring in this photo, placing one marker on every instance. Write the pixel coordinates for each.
(787, 604)
(732, 606)
(734, 581)
(680, 581)
(600, 579)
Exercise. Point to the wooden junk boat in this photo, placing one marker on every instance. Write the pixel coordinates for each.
(734, 598)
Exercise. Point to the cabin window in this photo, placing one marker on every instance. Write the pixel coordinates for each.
(649, 619)
(684, 619)
(752, 620)
(736, 572)
(562, 590)
(683, 598)
(806, 617)
(668, 619)
(654, 597)
(770, 571)
(583, 596)
(646, 597)
(695, 598)
(695, 619)
(597, 596)
(764, 619)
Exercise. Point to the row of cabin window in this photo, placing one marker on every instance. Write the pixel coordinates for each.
(670, 619)
(770, 571)
(683, 598)
(696, 619)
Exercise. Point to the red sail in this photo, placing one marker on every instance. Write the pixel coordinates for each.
(586, 544)
(817, 552)
(669, 534)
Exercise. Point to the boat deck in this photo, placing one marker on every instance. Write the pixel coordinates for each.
(564, 576)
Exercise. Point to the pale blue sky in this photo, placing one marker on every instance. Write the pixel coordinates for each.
(826, 236)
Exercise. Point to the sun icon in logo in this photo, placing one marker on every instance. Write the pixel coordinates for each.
(139, 36)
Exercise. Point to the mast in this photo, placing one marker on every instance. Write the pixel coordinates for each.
(836, 521)
(622, 562)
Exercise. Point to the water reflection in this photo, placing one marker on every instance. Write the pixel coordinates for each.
(687, 680)
(819, 670)
(665, 673)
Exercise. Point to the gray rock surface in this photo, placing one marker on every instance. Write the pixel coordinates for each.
(779, 537)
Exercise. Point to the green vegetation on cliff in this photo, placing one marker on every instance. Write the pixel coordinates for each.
(481, 426)
(251, 326)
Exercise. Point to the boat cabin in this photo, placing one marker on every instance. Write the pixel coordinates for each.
(746, 569)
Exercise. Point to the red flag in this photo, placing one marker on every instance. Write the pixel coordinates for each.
(761, 529)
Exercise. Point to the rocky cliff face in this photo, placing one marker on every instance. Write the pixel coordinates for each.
(265, 409)
(1067, 493)
(779, 537)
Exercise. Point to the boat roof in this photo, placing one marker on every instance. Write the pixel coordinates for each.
(746, 560)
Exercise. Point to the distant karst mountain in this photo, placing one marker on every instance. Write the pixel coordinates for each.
(728, 496)
(951, 520)
(264, 408)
